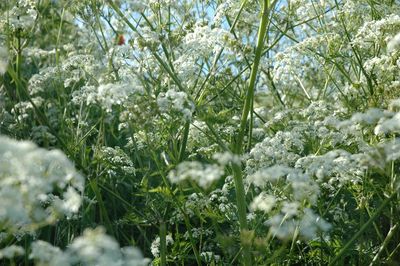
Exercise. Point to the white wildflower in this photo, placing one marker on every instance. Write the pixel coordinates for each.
(94, 247)
(176, 101)
(290, 209)
(282, 227)
(269, 174)
(203, 174)
(116, 94)
(263, 202)
(311, 224)
(391, 125)
(227, 158)
(28, 175)
(210, 256)
(44, 253)
(155, 245)
(3, 60)
(204, 40)
(11, 252)
(394, 44)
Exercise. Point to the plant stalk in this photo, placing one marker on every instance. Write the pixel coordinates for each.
(237, 170)
(163, 243)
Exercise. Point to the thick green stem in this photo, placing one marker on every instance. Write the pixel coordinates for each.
(163, 243)
(253, 76)
(237, 170)
(185, 137)
(18, 65)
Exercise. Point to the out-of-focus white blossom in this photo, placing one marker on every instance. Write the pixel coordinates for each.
(374, 32)
(334, 166)
(227, 158)
(23, 16)
(112, 94)
(210, 256)
(93, 248)
(268, 174)
(305, 224)
(3, 60)
(11, 252)
(28, 177)
(203, 174)
(394, 43)
(44, 253)
(263, 202)
(175, 101)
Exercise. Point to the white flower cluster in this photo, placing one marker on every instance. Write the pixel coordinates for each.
(222, 11)
(280, 149)
(379, 121)
(310, 9)
(115, 159)
(394, 43)
(3, 60)
(107, 95)
(335, 167)
(113, 94)
(288, 215)
(203, 174)
(22, 16)
(263, 202)
(28, 178)
(210, 256)
(11, 252)
(178, 102)
(374, 32)
(155, 245)
(385, 69)
(292, 221)
(203, 40)
(94, 248)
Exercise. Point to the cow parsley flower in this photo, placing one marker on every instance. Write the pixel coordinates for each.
(203, 40)
(177, 102)
(210, 257)
(203, 174)
(263, 202)
(46, 254)
(294, 222)
(112, 94)
(373, 32)
(268, 174)
(11, 252)
(28, 178)
(93, 248)
(155, 245)
(23, 16)
(3, 60)
(394, 43)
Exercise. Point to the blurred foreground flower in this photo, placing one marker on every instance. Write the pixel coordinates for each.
(37, 186)
(93, 248)
(3, 60)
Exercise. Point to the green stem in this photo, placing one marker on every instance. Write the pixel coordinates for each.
(163, 243)
(385, 243)
(238, 178)
(253, 76)
(18, 64)
(185, 137)
(181, 208)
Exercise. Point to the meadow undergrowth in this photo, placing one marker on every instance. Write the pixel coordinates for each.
(159, 132)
